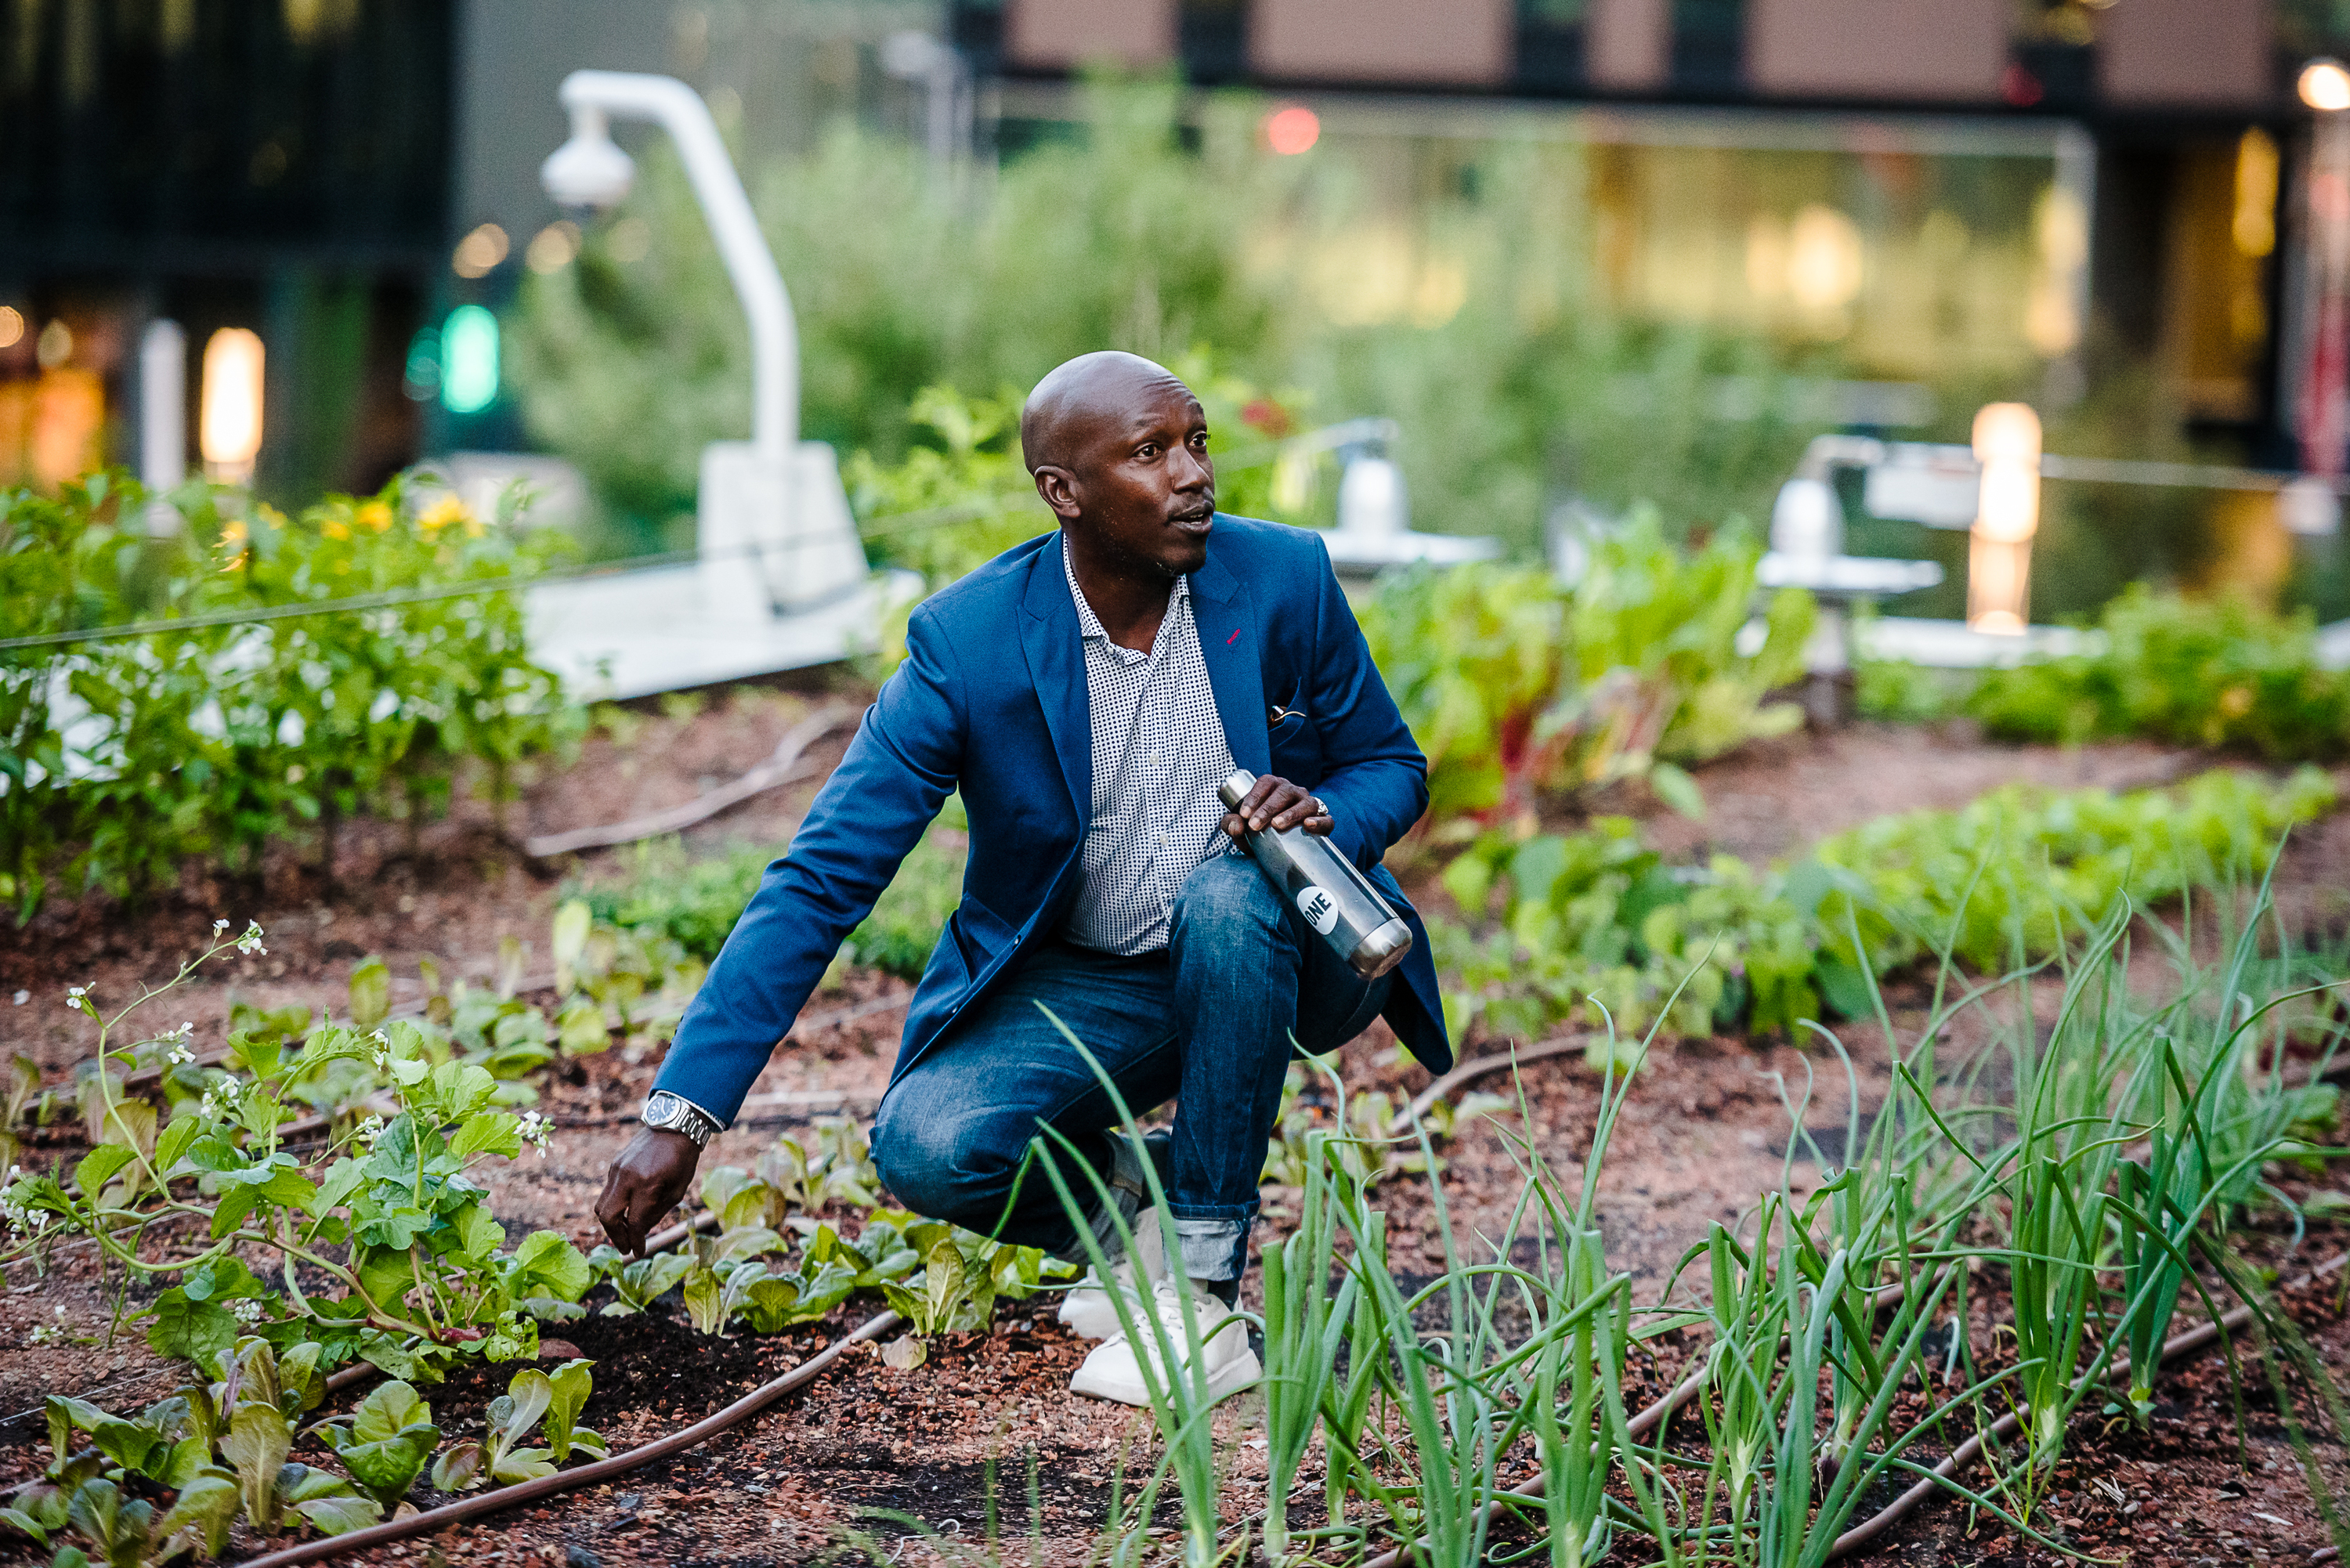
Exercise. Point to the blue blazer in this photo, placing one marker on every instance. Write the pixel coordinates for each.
(991, 699)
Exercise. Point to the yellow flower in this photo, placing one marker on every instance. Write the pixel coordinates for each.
(232, 533)
(442, 512)
(335, 528)
(374, 517)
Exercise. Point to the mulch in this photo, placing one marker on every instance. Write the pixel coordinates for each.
(904, 1457)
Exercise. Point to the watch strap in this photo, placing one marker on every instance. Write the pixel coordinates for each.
(675, 1113)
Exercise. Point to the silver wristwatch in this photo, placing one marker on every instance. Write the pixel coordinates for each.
(673, 1112)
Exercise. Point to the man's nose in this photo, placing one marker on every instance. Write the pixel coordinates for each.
(1193, 471)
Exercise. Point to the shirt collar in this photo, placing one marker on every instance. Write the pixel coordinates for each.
(1089, 624)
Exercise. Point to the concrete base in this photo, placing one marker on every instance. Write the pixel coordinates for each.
(1954, 645)
(637, 633)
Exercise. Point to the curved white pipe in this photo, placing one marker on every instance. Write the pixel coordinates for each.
(775, 334)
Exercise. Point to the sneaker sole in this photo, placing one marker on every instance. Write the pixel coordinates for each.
(1223, 1384)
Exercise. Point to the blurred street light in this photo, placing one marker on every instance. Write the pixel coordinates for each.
(1291, 130)
(1999, 560)
(2325, 86)
(2319, 293)
(229, 421)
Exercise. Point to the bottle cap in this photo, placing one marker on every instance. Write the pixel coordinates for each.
(1234, 790)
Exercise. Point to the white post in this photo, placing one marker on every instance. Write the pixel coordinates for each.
(163, 418)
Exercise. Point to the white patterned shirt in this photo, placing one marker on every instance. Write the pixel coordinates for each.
(1158, 755)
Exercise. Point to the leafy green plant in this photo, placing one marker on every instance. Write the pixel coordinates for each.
(386, 1441)
(1515, 684)
(213, 741)
(498, 1457)
(1576, 927)
(693, 904)
(638, 1283)
(385, 1248)
(2198, 672)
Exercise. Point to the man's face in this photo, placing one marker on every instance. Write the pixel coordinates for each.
(1143, 490)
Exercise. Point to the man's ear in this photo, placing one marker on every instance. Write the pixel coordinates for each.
(1058, 486)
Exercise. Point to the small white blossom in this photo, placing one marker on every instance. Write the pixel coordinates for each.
(21, 1220)
(537, 1131)
(245, 1310)
(251, 942)
(368, 1130)
(220, 925)
(180, 1057)
(42, 1335)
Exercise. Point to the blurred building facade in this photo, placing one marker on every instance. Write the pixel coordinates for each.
(1936, 186)
(2182, 112)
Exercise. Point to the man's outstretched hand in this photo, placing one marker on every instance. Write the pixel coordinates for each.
(1277, 804)
(648, 1180)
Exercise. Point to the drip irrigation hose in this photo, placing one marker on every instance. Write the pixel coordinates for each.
(433, 1521)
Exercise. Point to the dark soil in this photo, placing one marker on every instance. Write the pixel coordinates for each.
(1706, 1130)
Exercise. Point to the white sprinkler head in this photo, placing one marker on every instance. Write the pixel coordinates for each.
(1807, 521)
(1371, 499)
(589, 169)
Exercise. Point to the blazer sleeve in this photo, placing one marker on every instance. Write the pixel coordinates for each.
(1374, 778)
(899, 770)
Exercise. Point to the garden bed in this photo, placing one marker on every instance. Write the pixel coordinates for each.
(1704, 1131)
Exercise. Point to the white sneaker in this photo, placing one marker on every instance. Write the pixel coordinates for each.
(1086, 1309)
(1114, 1370)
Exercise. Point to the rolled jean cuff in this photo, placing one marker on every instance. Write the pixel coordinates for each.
(1213, 1249)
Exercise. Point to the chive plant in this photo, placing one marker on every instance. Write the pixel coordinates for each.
(2095, 1163)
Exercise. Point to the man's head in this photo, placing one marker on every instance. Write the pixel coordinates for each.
(1118, 448)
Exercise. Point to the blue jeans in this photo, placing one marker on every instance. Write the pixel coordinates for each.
(1207, 1023)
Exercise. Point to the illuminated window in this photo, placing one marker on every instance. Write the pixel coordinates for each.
(229, 426)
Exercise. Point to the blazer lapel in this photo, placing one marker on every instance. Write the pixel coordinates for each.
(1226, 617)
(1057, 665)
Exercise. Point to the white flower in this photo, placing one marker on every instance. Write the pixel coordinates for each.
(368, 1131)
(220, 925)
(251, 942)
(74, 991)
(21, 1220)
(42, 1335)
(537, 1131)
(180, 1057)
(245, 1310)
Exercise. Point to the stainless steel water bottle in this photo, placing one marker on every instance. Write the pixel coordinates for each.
(1337, 899)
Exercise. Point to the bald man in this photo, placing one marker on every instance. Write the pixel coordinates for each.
(1086, 692)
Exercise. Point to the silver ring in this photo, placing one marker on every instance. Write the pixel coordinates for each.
(1319, 809)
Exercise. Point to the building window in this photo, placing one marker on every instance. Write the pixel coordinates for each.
(976, 27)
(1709, 45)
(1550, 45)
(1213, 36)
(2055, 64)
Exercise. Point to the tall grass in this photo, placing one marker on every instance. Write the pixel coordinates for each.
(2010, 1224)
